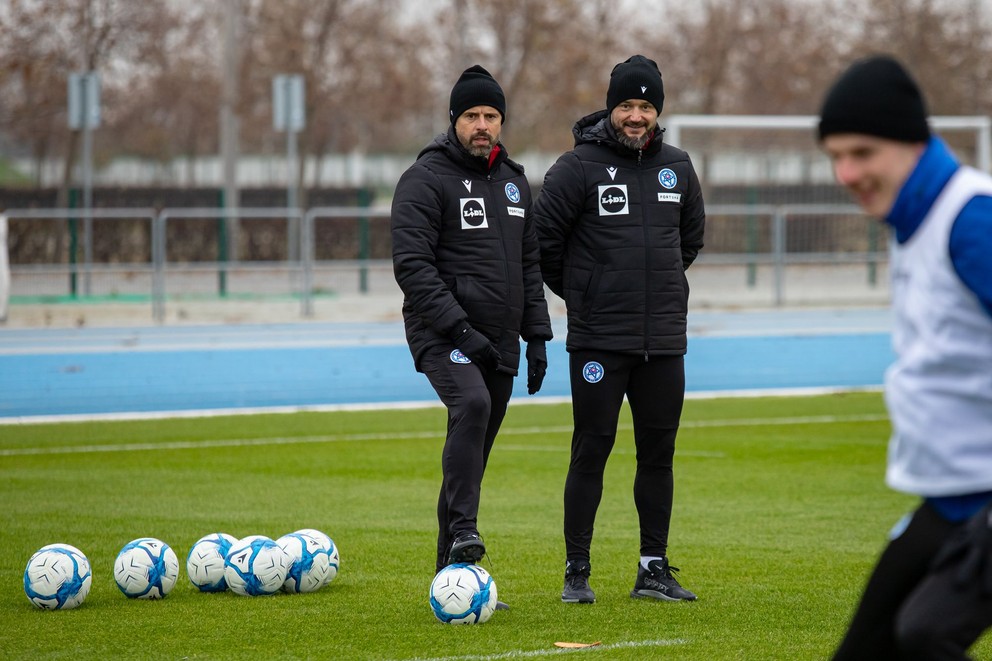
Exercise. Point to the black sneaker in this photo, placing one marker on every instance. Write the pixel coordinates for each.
(577, 590)
(659, 583)
(502, 606)
(467, 547)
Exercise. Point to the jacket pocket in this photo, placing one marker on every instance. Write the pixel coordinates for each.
(592, 290)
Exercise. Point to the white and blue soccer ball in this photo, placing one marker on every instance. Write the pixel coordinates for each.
(146, 568)
(310, 566)
(463, 593)
(256, 566)
(333, 551)
(57, 577)
(205, 561)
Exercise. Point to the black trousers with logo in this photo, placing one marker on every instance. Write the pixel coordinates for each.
(655, 389)
(476, 400)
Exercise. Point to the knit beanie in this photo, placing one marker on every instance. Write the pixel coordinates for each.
(635, 78)
(476, 87)
(876, 96)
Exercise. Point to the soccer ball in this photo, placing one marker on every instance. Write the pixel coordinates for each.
(334, 553)
(310, 566)
(146, 568)
(57, 577)
(463, 594)
(255, 566)
(205, 562)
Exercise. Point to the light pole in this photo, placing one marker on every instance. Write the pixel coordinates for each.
(289, 115)
(84, 113)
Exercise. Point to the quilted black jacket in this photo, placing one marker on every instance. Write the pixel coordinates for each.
(465, 249)
(618, 228)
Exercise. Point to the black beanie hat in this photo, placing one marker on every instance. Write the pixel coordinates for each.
(476, 87)
(876, 96)
(636, 78)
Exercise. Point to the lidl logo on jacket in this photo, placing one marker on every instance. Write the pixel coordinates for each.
(473, 213)
(613, 200)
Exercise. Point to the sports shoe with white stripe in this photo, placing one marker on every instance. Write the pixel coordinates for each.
(658, 582)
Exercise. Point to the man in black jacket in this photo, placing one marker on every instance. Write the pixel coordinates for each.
(620, 218)
(466, 256)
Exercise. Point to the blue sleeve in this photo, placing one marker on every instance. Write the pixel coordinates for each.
(971, 248)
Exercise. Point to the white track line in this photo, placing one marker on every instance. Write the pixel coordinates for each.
(383, 406)
(529, 654)
(396, 436)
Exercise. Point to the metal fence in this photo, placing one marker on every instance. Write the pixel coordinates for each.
(782, 250)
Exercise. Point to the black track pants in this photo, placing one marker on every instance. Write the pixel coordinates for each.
(655, 389)
(909, 612)
(476, 401)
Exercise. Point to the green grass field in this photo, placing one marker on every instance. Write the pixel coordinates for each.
(780, 511)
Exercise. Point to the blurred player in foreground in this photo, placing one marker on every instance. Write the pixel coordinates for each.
(930, 593)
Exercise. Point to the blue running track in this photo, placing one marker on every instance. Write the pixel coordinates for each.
(87, 371)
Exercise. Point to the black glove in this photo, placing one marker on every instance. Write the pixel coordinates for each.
(537, 365)
(969, 552)
(477, 347)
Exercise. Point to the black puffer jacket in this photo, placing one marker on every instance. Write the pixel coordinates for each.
(465, 250)
(618, 227)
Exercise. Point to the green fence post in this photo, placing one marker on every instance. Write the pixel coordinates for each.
(872, 247)
(364, 200)
(73, 246)
(751, 239)
(222, 249)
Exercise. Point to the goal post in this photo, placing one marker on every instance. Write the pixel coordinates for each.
(980, 125)
(779, 230)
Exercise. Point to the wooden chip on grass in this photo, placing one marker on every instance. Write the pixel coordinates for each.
(574, 646)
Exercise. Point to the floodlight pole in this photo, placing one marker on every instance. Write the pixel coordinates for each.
(289, 115)
(87, 203)
(292, 197)
(84, 113)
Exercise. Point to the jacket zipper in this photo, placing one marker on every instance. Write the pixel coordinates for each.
(491, 194)
(647, 256)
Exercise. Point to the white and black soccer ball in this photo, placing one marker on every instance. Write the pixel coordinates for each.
(463, 593)
(146, 568)
(205, 561)
(309, 561)
(57, 577)
(256, 566)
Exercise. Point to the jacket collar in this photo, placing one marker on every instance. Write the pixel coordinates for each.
(597, 128)
(932, 172)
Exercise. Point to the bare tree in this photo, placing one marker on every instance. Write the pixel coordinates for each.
(362, 84)
(378, 72)
(552, 57)
(169, 111)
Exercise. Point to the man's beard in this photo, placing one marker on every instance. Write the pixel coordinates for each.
(632, 143)
(482, 151)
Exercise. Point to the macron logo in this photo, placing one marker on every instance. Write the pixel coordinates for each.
(644, 88)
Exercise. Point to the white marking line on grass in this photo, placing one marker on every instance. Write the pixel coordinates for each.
(540, 400)
(797, 420)
(344, 438)
(529, 654)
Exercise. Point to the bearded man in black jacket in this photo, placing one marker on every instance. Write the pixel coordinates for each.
(466, 257)
(620, 218)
